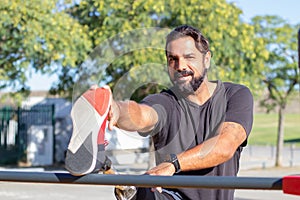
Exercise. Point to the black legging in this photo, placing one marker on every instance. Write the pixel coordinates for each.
(147, 194)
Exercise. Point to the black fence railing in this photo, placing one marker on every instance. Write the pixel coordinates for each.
(15, 124)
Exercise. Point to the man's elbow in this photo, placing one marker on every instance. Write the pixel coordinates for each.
(226, 154)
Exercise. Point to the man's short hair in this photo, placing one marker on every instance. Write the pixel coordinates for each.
(201, 42)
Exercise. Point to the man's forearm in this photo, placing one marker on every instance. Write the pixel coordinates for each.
(214, 151)
(135, 117)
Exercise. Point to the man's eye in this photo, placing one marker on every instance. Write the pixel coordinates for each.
(171, 59)
(189, 57)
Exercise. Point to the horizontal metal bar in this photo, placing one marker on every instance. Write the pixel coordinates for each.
(213, 182)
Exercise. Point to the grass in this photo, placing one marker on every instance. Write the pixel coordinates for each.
(264, 130)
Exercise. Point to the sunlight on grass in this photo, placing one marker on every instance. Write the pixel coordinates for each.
(264, 130)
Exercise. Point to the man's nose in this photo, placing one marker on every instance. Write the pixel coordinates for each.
(181, 64)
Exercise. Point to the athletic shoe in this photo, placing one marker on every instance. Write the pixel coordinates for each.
(125, 192)
(89, 114)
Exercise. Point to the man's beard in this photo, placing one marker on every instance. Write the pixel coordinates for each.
(190, 87)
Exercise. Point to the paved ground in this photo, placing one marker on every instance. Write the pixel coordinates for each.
(266, 194)
(253, 166)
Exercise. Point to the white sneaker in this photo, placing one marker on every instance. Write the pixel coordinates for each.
(89, 114)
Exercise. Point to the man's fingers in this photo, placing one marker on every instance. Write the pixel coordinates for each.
(110, 125)
(93, 87)
(159, 189)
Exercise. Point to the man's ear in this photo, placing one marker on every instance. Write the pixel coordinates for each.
(207, 58)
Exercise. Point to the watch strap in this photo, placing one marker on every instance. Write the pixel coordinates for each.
(174, 160)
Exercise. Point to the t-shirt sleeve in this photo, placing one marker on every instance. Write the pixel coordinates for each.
(240, 108)
(161, 104)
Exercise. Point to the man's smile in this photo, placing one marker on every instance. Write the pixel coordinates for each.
(183, 75)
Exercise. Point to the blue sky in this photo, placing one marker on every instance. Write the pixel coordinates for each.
(287, 9)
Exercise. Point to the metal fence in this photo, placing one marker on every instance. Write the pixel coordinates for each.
(15, 125)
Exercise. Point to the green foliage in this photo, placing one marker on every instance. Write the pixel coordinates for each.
(128, 39)
(36, 35)
(281, 73)
(124, 29)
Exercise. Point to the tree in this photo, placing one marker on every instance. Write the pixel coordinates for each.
(45, 37)
(282, 74)
(37, 36)
(125, 39)
(56, 39)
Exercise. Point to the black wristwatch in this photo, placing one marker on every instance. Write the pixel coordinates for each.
(173, 159)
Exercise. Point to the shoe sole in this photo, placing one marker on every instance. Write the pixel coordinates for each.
(89, 117)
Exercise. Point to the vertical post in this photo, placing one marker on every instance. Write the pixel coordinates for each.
(1, 125)
(19, 138)
(5, 126)
(250, 150)
(292, 154)
(53, 131)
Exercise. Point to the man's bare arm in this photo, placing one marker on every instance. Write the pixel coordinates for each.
(131, 116)
(210, 153)
(214, 151)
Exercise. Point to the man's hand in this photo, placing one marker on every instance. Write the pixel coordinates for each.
(163, 169)
(113, 115)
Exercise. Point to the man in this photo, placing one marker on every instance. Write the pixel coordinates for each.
(198, 127)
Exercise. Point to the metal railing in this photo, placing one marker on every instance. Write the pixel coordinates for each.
(212, 182)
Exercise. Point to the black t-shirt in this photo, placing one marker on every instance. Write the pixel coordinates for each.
(183, 124)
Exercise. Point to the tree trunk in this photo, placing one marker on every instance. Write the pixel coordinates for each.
(280, 136)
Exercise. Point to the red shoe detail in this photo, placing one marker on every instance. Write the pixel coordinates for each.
(101, 132)
(99, 99)
(106, 143)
